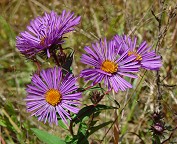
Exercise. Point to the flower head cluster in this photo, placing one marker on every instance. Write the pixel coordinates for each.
(113, 60)
(50, 94)
(108, 65)
(53, 93)
(158, 127)
(146, 57)
(45, 32)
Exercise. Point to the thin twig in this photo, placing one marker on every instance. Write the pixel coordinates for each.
(166, 85)
(161, 36)
(169, 136)
(2, 140)
(55, 58)
(71, 128)
(159, 20)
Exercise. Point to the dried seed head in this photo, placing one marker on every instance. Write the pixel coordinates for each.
(157, 116)
(95, 97)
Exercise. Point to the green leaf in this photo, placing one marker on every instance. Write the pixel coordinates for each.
(82, 128)
(8, 31)
(88, 110)
(156, 140)
(3, 123)
(46, 137)
(82, 139)
(101, 107)
(95, 88)
(169, 128)
(96, 128)
(10, 108)
(60, 123)
(68, 138)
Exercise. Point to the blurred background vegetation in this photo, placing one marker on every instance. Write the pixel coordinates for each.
(100, 18)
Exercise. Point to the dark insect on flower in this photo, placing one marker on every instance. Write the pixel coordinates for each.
(45, 33)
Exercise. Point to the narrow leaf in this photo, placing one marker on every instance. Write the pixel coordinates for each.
(96, 128)
(88, 110)
(61, 124)
(8, 30)
(46, 137)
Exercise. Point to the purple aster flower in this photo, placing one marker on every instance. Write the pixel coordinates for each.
(45, 32)
(107, 65)
(146, 57)
(50, 95)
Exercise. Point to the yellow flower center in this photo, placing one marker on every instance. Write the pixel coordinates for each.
(109, 66)
(138, 57)
(53, 97)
